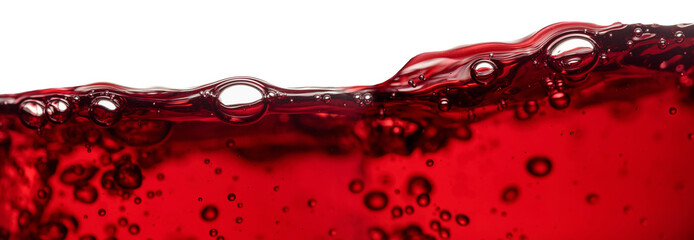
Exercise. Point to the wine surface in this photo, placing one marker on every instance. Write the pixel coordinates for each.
(577, 131)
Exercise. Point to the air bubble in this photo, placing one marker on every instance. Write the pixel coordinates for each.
(462, 219)
(396, 212)
(134, 229)
(105, 111)
(231, 197)
(444, 105)
(209, 213)
(102, 212)
(368, 98)
(409, 210)
(239, 220)
(128, 176)
(510, 194)
(445, 215)
(539, 166)
(592, 199)
(423, 200)
(32, 113)
(312, 203)
(377, 234)
(376, 200)
(356, 186)
(679, 37)
(672, 110)
(435, 225)
(240, 101)
(638, 32)
(332, 232)
(483, 72)
(58, 110)
(412, 83)
(213, 232)
(85, 193)
(418, 185)
(559, 100)
(662, 43)
(572, 55)
(531, 107)
(430, 162)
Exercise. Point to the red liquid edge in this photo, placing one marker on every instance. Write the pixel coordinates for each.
(578, 131)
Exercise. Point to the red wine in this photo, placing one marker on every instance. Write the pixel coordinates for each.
(578, 131)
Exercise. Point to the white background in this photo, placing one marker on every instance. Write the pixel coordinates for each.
(182, 44)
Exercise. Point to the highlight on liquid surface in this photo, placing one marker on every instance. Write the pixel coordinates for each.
(578, 131)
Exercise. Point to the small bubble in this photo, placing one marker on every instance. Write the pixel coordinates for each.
(462, 219)
(422, 78)
(276, 188)
(213, 232)
(138, 200)
(134, 229)
(423, 200)
(510, 194)
(160, 176)
(239, 205)
(368, 98)
(418, 185)
(539, 166)
(326, 98)
(58, 110)
(644, 222)
(672, 110)
(483, 72)
(128, 176)
(231, 197)
(679, 37)
(356, 186)
(312, 203)
(430, 162)
(32, 113)
(375, 200)
(231, 143)
(206, 161)
(150, 195)
(85, 193)
(209, 213)
(691, 136)
(105, 111)
(239, 220)
(332, 232)
(122, 222)
(638, 32)
(412, 83)
(396, 211)
(531, 107)
(444, 105)
(377, 234)
(445, 215)
(24, 218)
(218, 171)
(559, 100)
(592, 199)
(662, 43)
(42, 194)
(285, 209)
(630, 44)
(409, 210)
(102, 212)
(435, 225)
(445, 233)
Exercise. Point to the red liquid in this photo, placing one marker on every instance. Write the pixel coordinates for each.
(576, 132)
